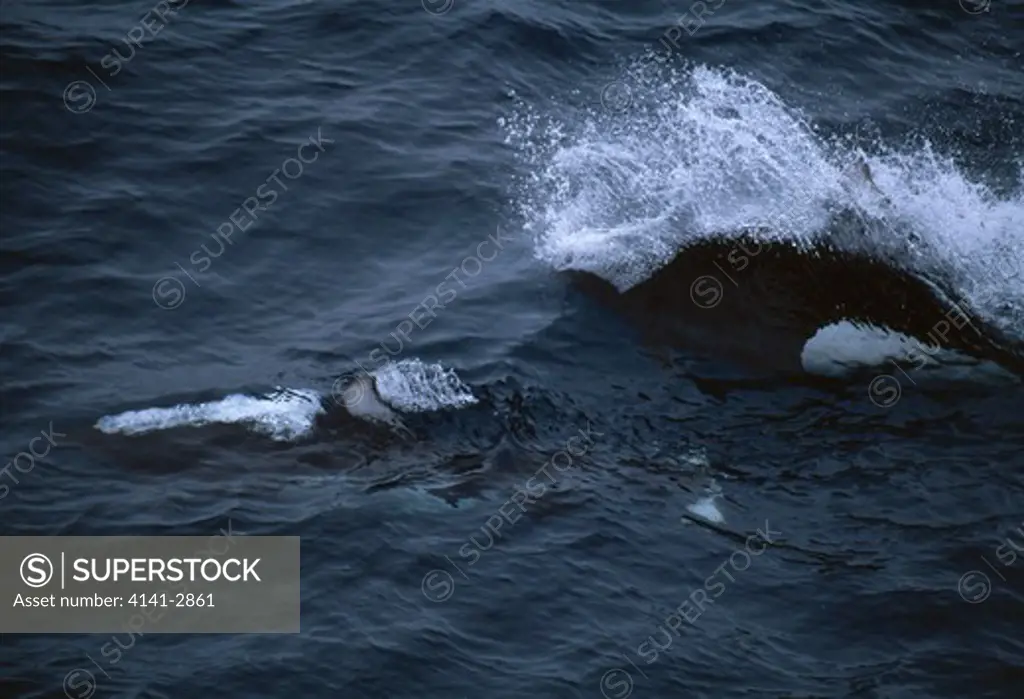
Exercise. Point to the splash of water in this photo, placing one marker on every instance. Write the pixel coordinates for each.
(415, 387)
(284, 415)
(288, 414)
(707, 153)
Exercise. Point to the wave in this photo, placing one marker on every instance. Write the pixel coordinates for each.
(705, 156)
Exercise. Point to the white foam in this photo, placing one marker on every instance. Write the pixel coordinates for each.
(967, 232)
(707, 153)
(283, 415)
(411, 386)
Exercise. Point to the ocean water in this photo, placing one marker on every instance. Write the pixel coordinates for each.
(398, 278)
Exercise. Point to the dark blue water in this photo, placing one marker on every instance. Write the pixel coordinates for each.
(218, 216)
